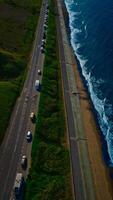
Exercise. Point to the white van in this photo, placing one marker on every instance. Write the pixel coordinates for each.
(37, 85)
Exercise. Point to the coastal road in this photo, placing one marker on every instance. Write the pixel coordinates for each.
(14, 144)
(81, 174)
(76, 174)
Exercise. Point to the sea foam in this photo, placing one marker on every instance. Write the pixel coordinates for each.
(104, 108)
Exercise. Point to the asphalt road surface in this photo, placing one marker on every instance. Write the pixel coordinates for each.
(76, 173)
(15, 144)
(81, 184)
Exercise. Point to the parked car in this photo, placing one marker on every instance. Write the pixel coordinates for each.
(42, 49)
(37, 85)
(45, 26)
(39, 72)
(44, 36)
(33, 117)
(43, 42)
(26, 98)
(29, 136)
(18, 186)
(24, 162)
(46, 22)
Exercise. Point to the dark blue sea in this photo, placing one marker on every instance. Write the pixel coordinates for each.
(91, 26)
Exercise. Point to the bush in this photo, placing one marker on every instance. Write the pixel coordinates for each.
(49, 177)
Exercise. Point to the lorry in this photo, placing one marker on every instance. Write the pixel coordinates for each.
(37, 85)
(18, 186)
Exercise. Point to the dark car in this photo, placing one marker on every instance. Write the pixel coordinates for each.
(44, 36)
(29, 136)
(42, 50)
(33, 117)
(39, 72)
(24, 162)
(43, 42)
(45, 26)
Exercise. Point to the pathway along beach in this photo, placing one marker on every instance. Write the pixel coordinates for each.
(101, 173)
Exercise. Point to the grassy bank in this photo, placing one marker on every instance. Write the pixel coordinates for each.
(18, 20)
(49, 176)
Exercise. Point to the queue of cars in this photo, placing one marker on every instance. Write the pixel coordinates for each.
(42, 48)
(37, 87)
(19, 180)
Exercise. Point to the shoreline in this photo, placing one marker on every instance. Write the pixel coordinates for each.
(104, 148)
(101, 172)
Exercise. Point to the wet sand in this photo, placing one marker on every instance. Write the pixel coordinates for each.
(101, 173)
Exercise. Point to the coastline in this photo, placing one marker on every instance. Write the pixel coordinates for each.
(101, 173)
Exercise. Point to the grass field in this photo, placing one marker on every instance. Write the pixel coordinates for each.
(8, 94)
(49, 176)
(18, 19)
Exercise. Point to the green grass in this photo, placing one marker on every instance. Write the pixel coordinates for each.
(18, 20)
(32, 5)
(49, 176)
(11, 35)
(10, 66)
(17, 26)
(8, 92)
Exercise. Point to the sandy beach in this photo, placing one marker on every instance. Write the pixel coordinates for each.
(101, 174)
(102, 181)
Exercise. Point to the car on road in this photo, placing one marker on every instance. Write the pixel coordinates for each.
(18, 185)
(45, 22)
(43, 46)
(42, 49)
(24, 162)
(39, 72)
(46, 18)
(26, 98)
(45, 26)
(43, 42)
(29, 136)
(33, 117)
(37, 85)
(44, 36)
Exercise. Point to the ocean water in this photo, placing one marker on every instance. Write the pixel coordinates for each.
(91, 26)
